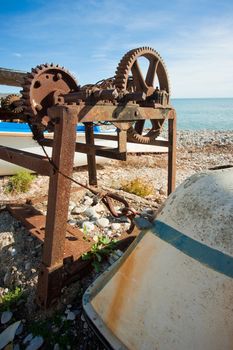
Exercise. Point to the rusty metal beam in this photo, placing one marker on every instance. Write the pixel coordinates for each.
(11, 77)
(120, 113)
(28, 160)
(171, 155)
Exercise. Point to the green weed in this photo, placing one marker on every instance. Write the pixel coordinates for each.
(99, 250)
(10, 298)
(137, 186)
(20, 182)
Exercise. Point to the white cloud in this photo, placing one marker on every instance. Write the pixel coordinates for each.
(90, 39)
(17, 54)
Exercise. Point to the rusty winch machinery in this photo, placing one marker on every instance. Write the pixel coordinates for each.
(52, 100)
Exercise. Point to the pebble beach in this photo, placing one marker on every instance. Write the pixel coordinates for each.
(196, 152)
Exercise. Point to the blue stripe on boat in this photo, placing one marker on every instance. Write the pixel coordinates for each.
(208, 256)
(23, 127)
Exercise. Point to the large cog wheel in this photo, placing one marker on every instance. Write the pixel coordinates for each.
(38, 93)
(129, 77)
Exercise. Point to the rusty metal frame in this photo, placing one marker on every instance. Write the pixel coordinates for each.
(61, 260)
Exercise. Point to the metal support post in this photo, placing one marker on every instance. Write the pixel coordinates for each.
(91, 161)
(50, 277)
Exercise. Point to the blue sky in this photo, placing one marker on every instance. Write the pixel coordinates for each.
(89, 37)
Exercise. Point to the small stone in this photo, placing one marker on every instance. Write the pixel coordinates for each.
(69, 306)
(79, 209)
(35, 343)
(13, 251)
(99, 208)
(82, 318)
(162, 191)
(19, 329)
(28, 338)
(88, 200)
(88, 226)
(56, 347)
(70, 316)
(33, 270)
(91, 213)
(6, 317)
(85, 325)
(127, 226)
(123, 219)
(115, 226)
(27, 266)
(119, 252)
(7, 278)
(102, 222)
(72, 222)
(38, 246)
(8, 334)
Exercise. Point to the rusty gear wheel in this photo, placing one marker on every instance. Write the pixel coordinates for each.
(38, 93)
(130, 77)
(11, 103)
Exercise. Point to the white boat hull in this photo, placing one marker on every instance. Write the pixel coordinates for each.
(23, 141)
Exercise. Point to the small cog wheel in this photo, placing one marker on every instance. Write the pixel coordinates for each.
(129, 77)
(38, 92)
(12, 103)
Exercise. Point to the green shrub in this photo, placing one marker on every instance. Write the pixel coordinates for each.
(103, 247)
(10, 298)
(20, 182)
(137, 186)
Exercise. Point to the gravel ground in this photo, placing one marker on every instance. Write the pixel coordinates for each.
(64, 327)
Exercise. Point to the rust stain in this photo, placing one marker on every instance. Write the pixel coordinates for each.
(118, 299)
(132, 269)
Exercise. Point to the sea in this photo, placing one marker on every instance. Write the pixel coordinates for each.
(204, 113)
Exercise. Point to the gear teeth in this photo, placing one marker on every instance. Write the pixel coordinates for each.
(28, 81)
(29, 99)
(25, 89)
(122, 77)
(24, 94)
(126, 62)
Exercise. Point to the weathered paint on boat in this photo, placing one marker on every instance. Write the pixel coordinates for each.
(173, 288)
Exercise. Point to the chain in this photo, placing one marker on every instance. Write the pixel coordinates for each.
(105, 196)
